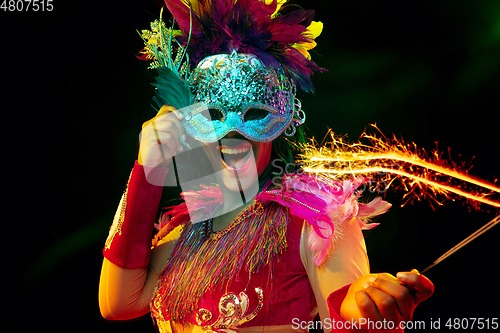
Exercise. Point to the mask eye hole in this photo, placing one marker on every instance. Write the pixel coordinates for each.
(213, 114)
(255, 114)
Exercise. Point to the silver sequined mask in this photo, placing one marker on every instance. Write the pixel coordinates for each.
(241, 95)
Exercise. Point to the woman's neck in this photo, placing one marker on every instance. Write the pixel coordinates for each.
(235, 202)
(223, 220)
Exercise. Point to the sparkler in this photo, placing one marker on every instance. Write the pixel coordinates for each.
(393, 162)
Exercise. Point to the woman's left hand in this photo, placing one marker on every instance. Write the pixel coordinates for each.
(379, 297)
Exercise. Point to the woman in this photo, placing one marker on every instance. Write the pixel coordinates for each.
(253, 252)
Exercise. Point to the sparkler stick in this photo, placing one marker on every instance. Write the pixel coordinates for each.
(466, 241)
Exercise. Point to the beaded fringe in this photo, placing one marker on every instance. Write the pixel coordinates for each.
(205, 261)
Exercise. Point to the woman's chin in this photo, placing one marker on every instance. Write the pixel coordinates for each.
(241, 177)
(238, 162)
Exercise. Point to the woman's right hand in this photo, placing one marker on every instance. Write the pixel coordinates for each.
(159, 140)
(384, 298)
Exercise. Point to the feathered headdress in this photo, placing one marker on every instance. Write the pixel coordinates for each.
(258, 27)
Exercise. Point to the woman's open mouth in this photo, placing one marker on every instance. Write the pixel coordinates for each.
(235, 154)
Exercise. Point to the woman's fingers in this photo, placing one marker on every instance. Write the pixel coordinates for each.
(167, 140)
(422, 286)
(393, 300)
(165, 109)
(383, 297)
(367, 307)
(160, 137)
(168, 115)
(167, 133)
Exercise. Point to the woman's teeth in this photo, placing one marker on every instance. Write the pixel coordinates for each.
(234, 151)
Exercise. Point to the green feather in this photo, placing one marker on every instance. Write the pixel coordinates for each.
(171, 90)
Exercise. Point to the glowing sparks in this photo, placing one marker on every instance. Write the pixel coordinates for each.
(392, 162)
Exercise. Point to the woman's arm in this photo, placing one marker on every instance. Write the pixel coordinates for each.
(343, 285)
(130, 268)
(347, 262)
(125, 293)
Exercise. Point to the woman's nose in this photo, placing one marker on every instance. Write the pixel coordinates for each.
(234, 135)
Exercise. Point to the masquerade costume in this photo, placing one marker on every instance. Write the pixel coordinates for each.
(296, 245)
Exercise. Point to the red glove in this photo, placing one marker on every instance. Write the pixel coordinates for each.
(129, 242)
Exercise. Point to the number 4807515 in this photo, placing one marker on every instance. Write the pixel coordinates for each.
(27, 5)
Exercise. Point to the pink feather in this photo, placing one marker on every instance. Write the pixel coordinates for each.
(366, 211)
(323, 203)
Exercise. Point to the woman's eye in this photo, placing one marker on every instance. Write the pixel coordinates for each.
(255, 114)
(213, 114)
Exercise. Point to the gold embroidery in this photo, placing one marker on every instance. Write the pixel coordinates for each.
(163, 325)
(232, 310)
(116, 227)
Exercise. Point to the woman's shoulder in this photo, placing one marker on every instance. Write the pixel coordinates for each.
(326, 205)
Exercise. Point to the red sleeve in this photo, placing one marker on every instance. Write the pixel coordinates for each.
(129, 243)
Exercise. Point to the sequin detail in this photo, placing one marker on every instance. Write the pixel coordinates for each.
(232, 313)
(234, 84)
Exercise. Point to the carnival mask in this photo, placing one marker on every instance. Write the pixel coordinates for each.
(237, 92)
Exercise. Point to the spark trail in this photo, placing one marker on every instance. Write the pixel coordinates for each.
(405, 166)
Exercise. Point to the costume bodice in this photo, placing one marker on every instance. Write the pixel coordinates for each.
(272, 264)
(272, 296)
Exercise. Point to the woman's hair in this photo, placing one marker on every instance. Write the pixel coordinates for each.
(287, 148)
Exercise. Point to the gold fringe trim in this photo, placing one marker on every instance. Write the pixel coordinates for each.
(116, 226)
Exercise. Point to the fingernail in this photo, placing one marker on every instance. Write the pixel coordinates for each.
(180, 114)
(183, 136)
(371, 279)
(365, 285)
(415, 271)
(401, 276)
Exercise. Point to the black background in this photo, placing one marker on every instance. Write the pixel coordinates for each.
(74, 97)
